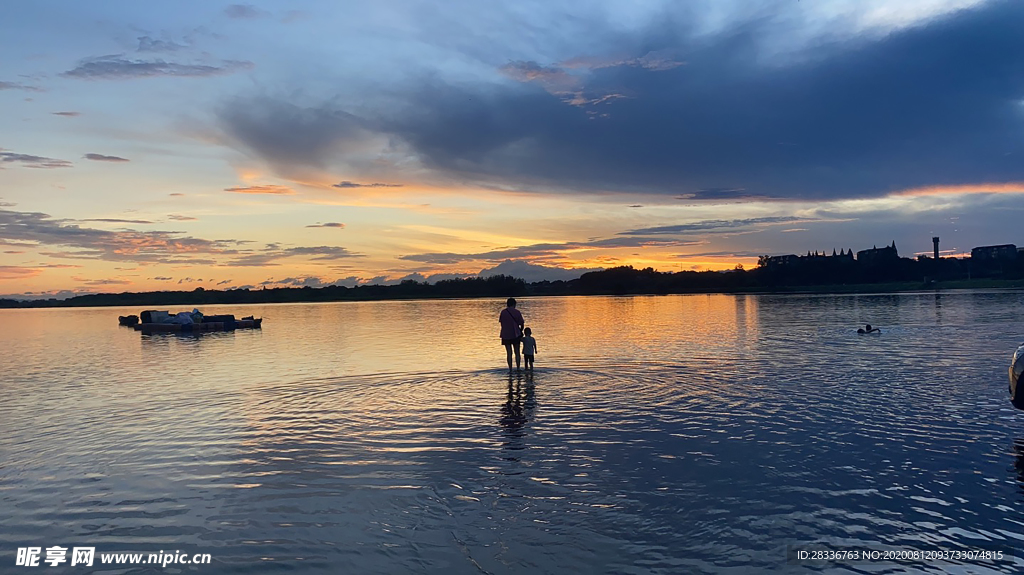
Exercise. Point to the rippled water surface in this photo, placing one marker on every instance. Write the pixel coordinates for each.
(674, 434)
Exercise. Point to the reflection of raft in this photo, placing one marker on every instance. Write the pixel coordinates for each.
(1016, 374)
(229, 325)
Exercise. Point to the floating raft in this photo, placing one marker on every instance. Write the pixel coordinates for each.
(162, 322)
(1016, 375)
(200, 327)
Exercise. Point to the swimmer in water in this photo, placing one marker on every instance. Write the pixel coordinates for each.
(868, 329)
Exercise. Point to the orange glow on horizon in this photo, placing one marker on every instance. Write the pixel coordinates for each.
(984, 188)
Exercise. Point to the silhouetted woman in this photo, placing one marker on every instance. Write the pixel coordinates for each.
(512, 322)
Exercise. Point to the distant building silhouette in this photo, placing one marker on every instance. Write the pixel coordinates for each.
(1000, 252)
(878, 255)
(884, 264)
(793, 260)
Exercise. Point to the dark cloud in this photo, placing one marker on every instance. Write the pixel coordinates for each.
(288, 136)
(102, 158)
(30, 161)
(117, 67)
(163, 278)
(327, 225)
(67, 114)
(936, 103)
(242, 12)
(348, 184)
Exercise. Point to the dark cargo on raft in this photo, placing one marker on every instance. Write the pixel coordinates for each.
(153, 321)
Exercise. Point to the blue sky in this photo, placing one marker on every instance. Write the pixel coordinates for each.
(151, 146)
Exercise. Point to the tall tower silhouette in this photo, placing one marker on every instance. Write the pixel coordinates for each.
(935, 245)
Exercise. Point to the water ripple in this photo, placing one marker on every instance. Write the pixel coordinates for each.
(703, 445)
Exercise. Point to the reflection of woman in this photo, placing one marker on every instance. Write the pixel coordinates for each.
(515, 414)
(512, 322)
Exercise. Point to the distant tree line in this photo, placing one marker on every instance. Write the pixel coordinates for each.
(804, 272)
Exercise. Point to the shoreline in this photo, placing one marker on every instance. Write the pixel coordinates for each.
(286, 295)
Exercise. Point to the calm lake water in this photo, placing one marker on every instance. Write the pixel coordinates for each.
(674, 434)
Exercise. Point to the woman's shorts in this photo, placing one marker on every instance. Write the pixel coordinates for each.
(513, 341)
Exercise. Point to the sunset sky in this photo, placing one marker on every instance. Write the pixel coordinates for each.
(183, 144)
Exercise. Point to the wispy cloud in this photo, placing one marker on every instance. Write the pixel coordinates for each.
(102, 282)
(348, 184)
(266, 189)
(91, 243)
(243, 12)
(269, 255)
(18, 272)
(181, 218)
(117, 67)
(982, 188)
(148, 44)
(35, 229)
(67, 114)
(570, 87)
(102, 158)
(707, 225)
(327, 225)
(653, 60)
(545, 251)
(17, 86)
(118, 221)
(30, 161)
(719, 194)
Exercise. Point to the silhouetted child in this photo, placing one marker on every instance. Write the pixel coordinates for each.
(529, 348)
(868, 329)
